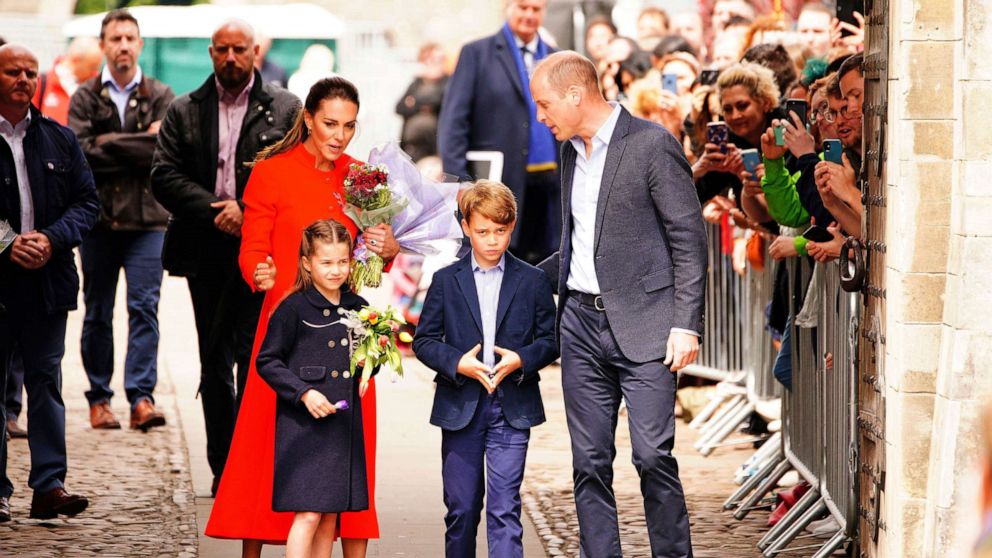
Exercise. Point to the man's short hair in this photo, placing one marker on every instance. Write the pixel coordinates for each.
(654, 11)
(601, 20)
(565, 68)
(818, 7)
(120, 14)
(855, 62)
(833, 86)
(490, 199)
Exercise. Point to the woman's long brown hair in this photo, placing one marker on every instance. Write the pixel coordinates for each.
(328, 88)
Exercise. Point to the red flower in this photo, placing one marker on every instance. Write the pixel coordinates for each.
(383, 340)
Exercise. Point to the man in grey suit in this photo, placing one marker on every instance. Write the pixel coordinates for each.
(631, 273)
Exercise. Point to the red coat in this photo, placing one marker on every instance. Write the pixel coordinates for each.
(283, 196)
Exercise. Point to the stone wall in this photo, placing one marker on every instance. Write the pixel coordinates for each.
(939, 277)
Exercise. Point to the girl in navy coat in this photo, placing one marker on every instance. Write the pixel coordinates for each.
(320, 449)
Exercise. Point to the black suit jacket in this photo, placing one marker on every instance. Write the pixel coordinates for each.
(184, 168)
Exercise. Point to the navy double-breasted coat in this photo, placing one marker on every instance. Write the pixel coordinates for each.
(319, 463)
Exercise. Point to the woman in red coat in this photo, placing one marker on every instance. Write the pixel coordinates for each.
(292, 185)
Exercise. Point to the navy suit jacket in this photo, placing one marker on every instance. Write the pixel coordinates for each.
(485, 109)
(65, 209)
(451, 324)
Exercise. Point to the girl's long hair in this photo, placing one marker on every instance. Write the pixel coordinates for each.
(327, 231)
(328, 88)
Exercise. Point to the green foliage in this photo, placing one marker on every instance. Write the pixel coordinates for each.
(96, 6)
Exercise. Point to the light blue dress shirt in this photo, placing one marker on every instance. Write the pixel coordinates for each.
(487, 285)
(120, 96)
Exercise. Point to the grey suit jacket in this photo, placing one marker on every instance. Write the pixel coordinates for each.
(650, 243)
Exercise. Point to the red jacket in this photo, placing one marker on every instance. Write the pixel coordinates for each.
(55, 103)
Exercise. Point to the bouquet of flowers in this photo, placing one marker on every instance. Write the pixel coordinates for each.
(374, 338)
(7, 235)
(389, 189)
(369, 202)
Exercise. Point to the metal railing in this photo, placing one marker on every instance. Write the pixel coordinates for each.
(818, 413)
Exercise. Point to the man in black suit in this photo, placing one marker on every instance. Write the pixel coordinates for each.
(199, 174)
(631, 275)
(487, 107)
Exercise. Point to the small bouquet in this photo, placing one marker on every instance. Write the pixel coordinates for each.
(7, 235)
(389, 189)
(369, 202)
(374, 338)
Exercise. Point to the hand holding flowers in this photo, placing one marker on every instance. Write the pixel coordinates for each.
(374, 340)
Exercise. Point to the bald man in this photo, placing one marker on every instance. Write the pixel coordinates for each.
(199, 173)
(630, 275)
(48, 198)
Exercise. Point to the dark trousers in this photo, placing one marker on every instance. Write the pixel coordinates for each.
(539, 222)
(41, 339)
(104, 253)
(15, 386)
(484, 459)
(226, 314)
(595, 375)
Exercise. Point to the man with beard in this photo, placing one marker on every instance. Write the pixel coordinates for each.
(201, 166)
(116, 117)
(48, 199)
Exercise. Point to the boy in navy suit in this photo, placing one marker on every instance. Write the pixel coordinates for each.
(486, 329)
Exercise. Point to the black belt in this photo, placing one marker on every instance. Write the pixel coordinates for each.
(590, 300)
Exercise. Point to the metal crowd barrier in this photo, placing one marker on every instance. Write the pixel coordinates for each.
(736, 348)
(818, 413)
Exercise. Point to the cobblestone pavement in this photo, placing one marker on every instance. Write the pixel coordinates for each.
(138, 485)
(707, 481)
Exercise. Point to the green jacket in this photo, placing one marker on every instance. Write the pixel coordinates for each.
(783, 199)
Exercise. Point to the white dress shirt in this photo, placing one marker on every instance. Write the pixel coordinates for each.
(531, 51)
(14, 136)
(120, 96)
(586, 182)
(488, 283)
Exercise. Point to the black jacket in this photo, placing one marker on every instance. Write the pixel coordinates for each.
(65, 209)
(121, 156)
(184, 169)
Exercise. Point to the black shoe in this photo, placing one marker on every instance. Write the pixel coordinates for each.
(4, 509)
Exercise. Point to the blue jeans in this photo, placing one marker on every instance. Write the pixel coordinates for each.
(484, 459)
(104, 253)
(782, 369)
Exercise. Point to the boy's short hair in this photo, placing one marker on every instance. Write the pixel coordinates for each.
(493, 200)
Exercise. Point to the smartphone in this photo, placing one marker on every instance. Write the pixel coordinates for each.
(669, 82)
(779, 135)
(708, 77)
(799, 107)
(832, 151)
(751, 160)
(718, 133)
(818, 234)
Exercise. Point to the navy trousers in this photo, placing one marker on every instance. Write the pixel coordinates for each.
(484, 459)
(41, 340)
(540, 218)
(104, 253)
(15, 386)
(595, 375)
(226, 313)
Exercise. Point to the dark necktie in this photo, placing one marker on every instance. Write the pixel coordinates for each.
(528, 62)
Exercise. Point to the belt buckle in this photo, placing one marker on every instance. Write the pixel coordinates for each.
(597, 303)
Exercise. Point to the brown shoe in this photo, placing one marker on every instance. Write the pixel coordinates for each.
(15, 430)
(145, 416)
(102, 417)
(56, 502)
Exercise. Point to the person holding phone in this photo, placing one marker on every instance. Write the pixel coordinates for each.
(749, 100)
